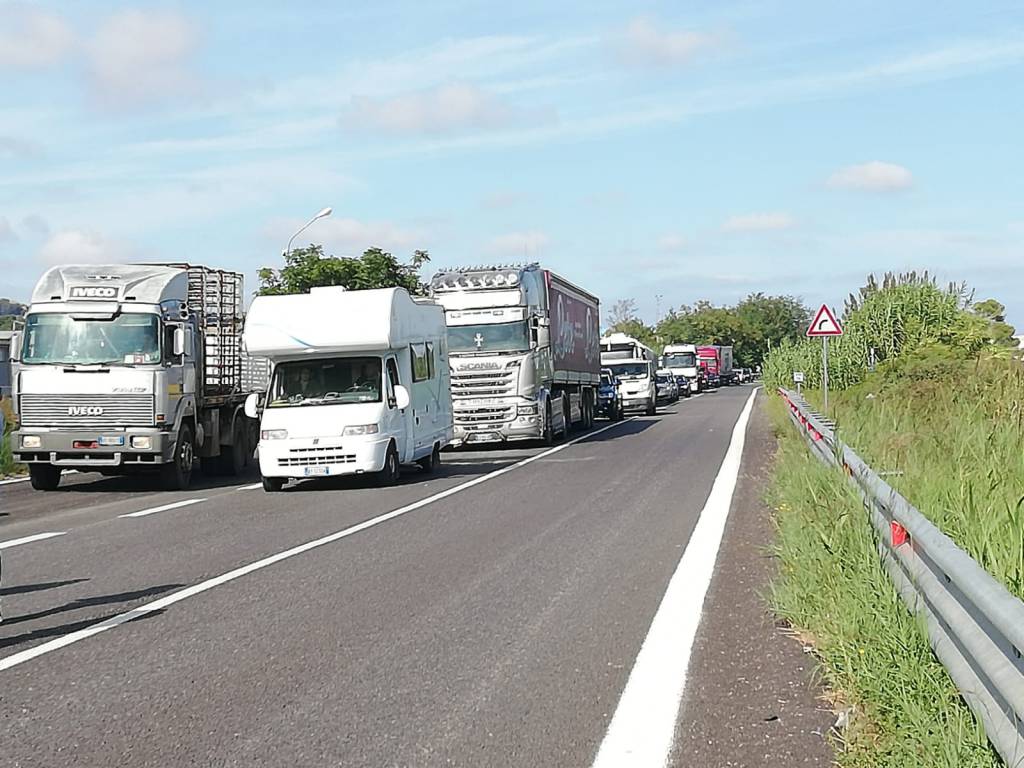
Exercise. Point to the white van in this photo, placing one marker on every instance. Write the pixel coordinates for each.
(360, 384)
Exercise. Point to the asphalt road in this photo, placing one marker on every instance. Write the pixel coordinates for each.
(495, 625)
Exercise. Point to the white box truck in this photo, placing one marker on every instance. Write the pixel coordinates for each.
(360, 383)
(633, 364)
(525, 359)
(131, 368)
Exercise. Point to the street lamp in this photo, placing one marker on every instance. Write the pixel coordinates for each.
(300, 230)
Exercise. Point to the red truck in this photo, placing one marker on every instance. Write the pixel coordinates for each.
(716, 360)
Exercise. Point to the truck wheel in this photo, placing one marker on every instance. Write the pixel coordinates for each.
(175, 475)
(548, 438)
(272, 484)
(232, 457)
(44, 477)
(389, 475)
(652, 409)
(566, 415)
(588, 411)
(431, 462)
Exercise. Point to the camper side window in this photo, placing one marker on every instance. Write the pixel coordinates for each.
(431, 370)
(420, 361)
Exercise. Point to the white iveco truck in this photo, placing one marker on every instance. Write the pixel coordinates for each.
(681, 359)
(128, 368)
(523, 345)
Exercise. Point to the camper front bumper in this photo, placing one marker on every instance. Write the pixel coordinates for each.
(91, 448)
(322, 457)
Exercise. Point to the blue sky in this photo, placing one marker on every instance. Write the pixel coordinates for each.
(688, 150)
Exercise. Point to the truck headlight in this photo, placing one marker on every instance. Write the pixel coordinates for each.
(527, 410)
(273, 434)
(31, 441)
(142, 442)
(361, 429)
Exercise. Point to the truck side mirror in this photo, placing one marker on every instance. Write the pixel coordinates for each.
(15, 353)
(402, 399)
(252, 405)
(179, 342)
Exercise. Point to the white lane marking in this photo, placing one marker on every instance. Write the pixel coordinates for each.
(641, 732)
(30, 539)
(163, 508)
(252, 487)
(158, 605)
(27, 478)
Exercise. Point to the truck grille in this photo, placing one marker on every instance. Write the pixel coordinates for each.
(308, 457)
(481, 416)
(487, 384)
(73, 411)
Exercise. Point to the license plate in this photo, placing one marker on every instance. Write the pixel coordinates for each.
(316, 471)
(109, 440)
(481, 437)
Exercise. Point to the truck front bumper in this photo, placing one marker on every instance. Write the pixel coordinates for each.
(82, 449)
(327, 457)
(520, 428)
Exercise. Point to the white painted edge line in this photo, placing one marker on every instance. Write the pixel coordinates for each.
(26, 478)
(642, 729)
(252, 487)
(163, 508)
(30, 539)
(160, 604)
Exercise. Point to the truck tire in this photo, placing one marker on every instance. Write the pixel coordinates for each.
(566, 415)
(390, 473)
(549, 431)
(272, 484)
(233, 457)
(652, 408)
(431, 462)
(44, 477)
(176, 474)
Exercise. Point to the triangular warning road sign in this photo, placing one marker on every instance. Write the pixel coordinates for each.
(825, 323)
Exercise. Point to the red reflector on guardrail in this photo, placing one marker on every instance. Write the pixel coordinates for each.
(899, 534)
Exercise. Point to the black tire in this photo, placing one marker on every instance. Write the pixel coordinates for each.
(390, 473)
(176, 474)
(566, 415)
(273, 484)
(431, 462)
(233, 457)
(549, 431)
(44, 477)
(652, 409)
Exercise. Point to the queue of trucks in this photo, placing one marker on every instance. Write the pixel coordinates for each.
(124, 369)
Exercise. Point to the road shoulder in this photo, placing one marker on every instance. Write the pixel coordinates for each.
(751, 697)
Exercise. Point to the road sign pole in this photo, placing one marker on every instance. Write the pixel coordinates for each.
(824, 371)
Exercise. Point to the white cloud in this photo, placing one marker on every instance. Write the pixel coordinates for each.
(875, 176)
(758, 222)
(347, 236)
(31, 38)
(36, 225)
(672, 243)
(446, 109)
(7, 234)
(525, 245)
(644, 42)
(139, 57)
(76, 246)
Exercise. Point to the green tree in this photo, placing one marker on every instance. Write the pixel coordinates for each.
(999, 331)
(307, 268)
(6, 322)
(622, 319)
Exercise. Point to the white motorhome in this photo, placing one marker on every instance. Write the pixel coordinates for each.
(360, 383)
(681, 359)
(633, 364)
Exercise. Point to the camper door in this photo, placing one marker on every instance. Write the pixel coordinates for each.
(398, 423)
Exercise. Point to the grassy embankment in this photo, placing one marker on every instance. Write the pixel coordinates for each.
(945, 423)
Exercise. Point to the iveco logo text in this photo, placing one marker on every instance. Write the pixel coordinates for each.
(93, 292)
(85, 410)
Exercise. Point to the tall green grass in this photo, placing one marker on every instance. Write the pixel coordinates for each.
(876, 659)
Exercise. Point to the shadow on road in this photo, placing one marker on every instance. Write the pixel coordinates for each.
(26, 588)
(74, 605)
(65, 629)
(627, 428)
(90, 482)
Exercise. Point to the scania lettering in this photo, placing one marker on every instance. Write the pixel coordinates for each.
(523, 345)
(131, 368)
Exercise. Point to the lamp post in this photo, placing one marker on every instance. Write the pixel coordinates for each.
(300, 230)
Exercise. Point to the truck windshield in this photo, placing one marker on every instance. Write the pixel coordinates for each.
(335, 381)
(680, 360)
(497, 337)
(630, 370)
(130, 338)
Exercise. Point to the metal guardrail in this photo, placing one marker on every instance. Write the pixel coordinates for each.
(975, 625)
